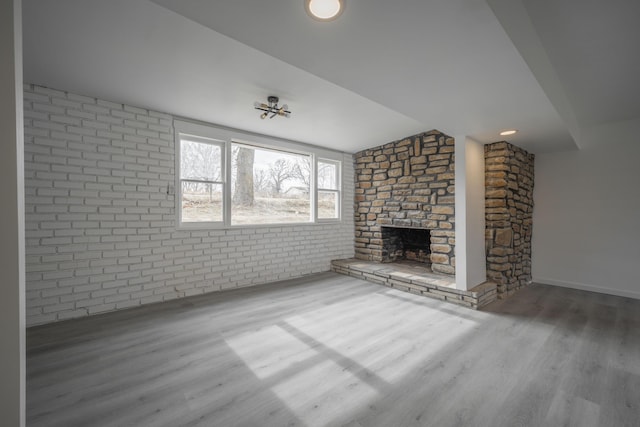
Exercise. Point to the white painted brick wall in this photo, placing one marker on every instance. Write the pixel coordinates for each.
(101, 229)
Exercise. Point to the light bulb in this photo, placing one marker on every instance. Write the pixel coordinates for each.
(324, 10)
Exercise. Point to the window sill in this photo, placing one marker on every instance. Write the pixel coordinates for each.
(219, 226)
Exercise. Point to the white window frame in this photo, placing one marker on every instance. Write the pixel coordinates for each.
(211, 135)
(223, 181)
(229, 136)
(337, 190)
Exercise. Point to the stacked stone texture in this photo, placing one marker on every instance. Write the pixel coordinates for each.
(407, 183)
(509, 177)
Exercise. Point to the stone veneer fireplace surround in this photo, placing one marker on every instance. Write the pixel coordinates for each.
(407, 183)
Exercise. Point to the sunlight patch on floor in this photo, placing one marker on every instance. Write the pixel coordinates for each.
(319, 390)
(312, 386)
(312, 358)
(270, 350)
(398, 339)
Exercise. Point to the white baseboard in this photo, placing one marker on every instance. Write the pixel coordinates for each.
(590, 288)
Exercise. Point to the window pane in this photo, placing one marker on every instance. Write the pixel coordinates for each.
(200, 161)
(327, 175)
(269, 187)
(328, 205)
(201, 202)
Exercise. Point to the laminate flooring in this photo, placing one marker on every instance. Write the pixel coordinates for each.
(330, 350)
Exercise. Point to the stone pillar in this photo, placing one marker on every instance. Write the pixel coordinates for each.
(509, 179)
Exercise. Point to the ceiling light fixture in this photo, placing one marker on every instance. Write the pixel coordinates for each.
(324, 10)
(508, 132)
(272, 108)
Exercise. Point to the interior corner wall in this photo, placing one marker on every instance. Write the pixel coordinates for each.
(101, 226)
(587, 229)
(12, 305)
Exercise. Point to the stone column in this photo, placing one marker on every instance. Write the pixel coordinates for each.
(509, 215)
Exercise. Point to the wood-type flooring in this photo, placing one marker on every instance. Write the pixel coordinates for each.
(330, 350)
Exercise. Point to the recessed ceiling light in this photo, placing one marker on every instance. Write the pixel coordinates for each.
(508, 132)
(324, 10)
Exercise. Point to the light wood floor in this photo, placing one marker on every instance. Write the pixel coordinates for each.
(329, 350)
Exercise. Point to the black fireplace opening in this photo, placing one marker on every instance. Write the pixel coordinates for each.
(413, 244)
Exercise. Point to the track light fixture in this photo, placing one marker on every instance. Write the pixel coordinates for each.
(272, 109)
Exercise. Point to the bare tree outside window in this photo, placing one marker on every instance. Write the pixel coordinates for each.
(243, 194)
(280, 193)
(260, 181)
(279, 172)
(301, 170)
(201, 180)
(327, 175)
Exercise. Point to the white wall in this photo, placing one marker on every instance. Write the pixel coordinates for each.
(586, 226)
(101, 226)
(471, 262)
(12, 322)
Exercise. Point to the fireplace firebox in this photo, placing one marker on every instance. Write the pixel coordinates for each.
(400, 243)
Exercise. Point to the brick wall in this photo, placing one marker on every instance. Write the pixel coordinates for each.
(509, 179)
(101, 225)
(407, 183)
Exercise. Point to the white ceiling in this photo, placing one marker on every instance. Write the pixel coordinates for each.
(382, 71)
(596, 54)
(586, 56)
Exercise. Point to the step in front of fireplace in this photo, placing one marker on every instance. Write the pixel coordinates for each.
(414, 278)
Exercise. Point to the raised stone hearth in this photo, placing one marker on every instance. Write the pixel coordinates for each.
(414, 277)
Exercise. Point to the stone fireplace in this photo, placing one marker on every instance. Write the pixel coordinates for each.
(405, 210)
(401, 243)
(407, 183)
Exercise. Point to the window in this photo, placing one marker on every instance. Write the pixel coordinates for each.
(269, 186)
(328, 189)
(228, 178)
(201, 179)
